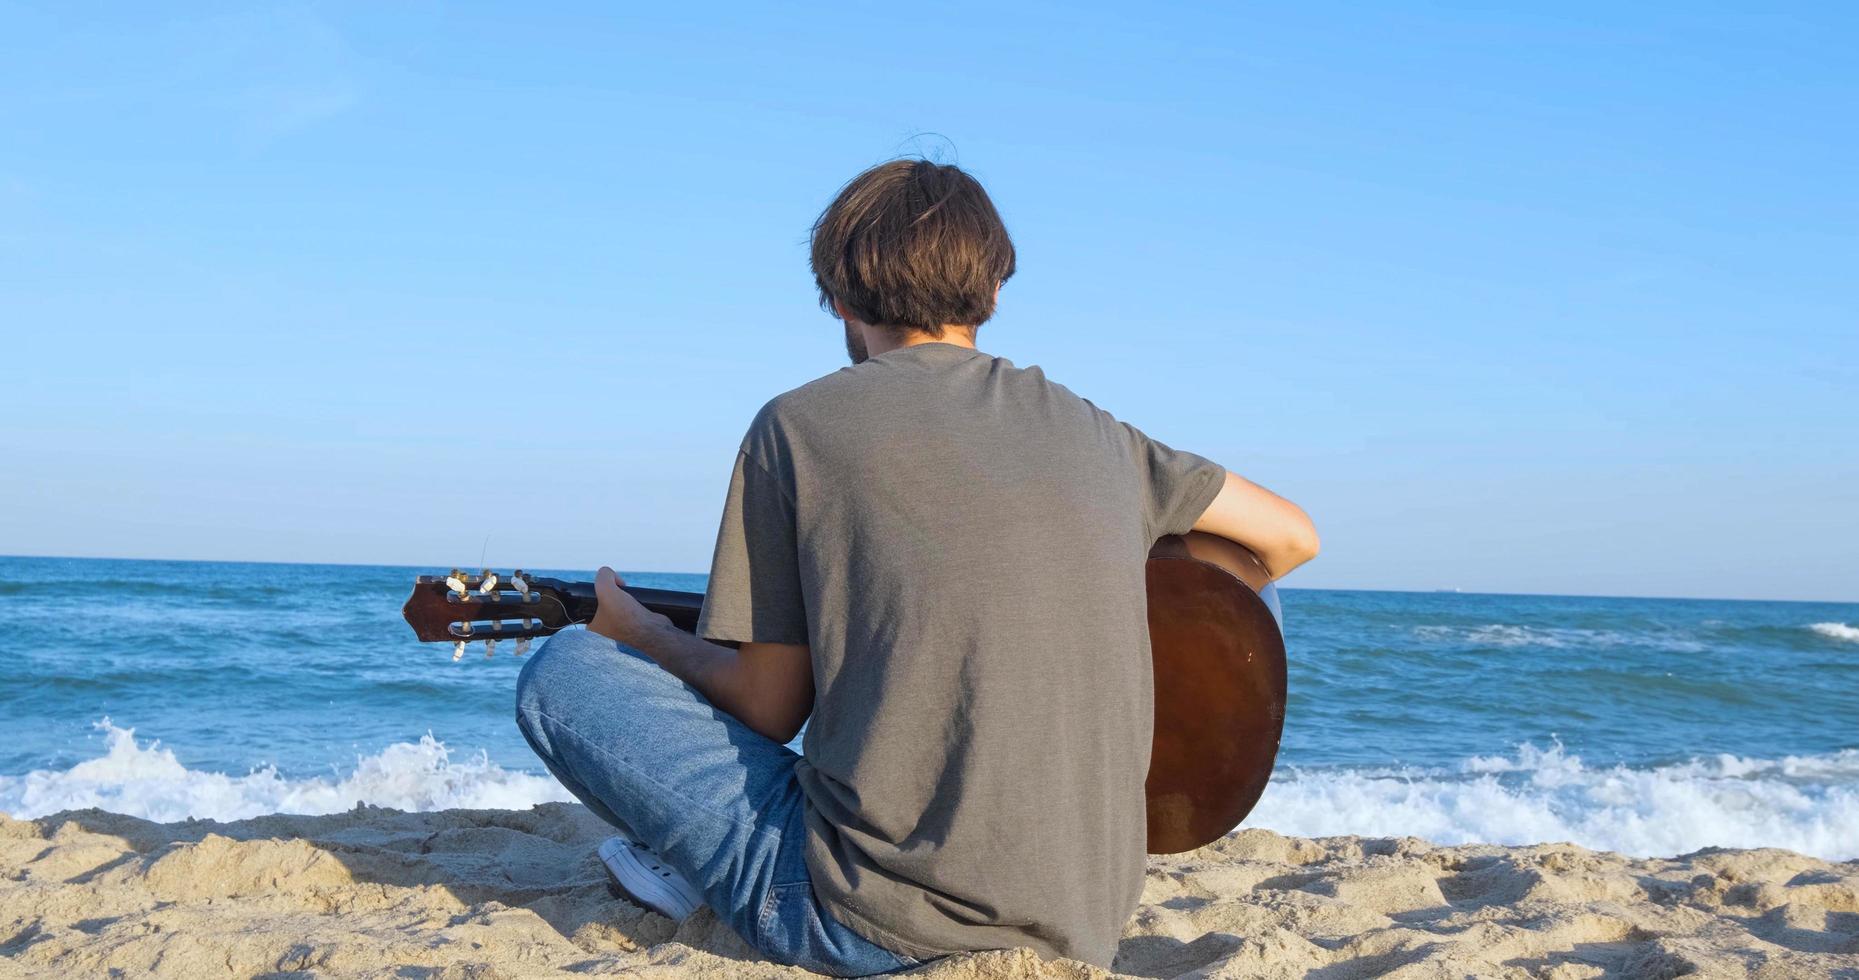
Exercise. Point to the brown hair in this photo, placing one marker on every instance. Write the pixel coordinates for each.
(910, 243)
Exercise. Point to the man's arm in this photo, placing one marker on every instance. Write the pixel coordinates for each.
(1276, 530)
(766, 686)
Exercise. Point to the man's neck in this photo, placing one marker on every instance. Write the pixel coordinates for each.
(880, 340)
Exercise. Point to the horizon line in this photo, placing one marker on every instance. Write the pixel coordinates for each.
(1288, 588)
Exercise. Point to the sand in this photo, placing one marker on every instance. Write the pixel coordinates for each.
(494, 893)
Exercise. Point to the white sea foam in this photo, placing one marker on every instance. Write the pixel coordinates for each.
(1837, 631)
(145, 780)
(1507, 635)
(1806, 803)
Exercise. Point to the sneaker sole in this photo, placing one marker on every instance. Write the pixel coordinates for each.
(646, 887)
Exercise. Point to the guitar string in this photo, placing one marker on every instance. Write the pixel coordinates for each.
(569, 616)
(566, 614)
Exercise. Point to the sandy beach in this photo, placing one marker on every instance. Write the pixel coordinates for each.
(502, 893)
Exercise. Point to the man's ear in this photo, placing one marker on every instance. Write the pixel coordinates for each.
(839, 310)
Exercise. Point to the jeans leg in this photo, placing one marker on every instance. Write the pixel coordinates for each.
(719, 802)
(794, 921)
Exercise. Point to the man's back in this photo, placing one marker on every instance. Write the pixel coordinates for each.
(961, 544)
(939, 559)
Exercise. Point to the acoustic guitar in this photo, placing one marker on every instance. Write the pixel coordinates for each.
(1214, 633)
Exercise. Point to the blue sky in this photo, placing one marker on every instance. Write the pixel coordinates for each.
(1556, 298)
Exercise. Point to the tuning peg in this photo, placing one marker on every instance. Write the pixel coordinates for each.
(456, 582)
(490, 583)
(458, 651)
(518, 582)
(522, 645)
(490, 649)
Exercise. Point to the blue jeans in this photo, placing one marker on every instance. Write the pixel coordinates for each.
(648, 754)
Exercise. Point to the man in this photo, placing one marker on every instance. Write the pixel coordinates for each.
(934, 559)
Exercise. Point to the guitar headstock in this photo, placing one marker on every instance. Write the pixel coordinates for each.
(461, 608)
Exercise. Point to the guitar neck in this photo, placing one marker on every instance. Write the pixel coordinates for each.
(682, 608)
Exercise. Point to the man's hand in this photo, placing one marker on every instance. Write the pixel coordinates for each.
(620, 616)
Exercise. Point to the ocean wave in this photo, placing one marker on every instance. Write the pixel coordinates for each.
(146, 780)
(1506, 635)
(1837, 631)
(147, 588)
(1808, 804)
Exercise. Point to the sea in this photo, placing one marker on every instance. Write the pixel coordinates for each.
(173, 689)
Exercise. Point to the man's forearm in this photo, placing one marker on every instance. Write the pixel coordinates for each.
(714, 670)
(1281, 558)
(1276, 530)
(766, 686)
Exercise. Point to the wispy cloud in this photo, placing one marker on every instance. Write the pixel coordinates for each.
(281, 70)
(259, 72)
(272, 110)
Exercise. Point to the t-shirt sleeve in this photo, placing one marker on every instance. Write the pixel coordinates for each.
(1177, 486)
(754, 594)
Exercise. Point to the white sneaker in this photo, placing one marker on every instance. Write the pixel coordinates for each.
(644, 877)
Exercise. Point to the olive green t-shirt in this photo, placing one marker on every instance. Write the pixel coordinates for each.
(961, 543)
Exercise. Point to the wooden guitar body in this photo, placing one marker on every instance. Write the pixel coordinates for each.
(1219, 688)
(1213, 632)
